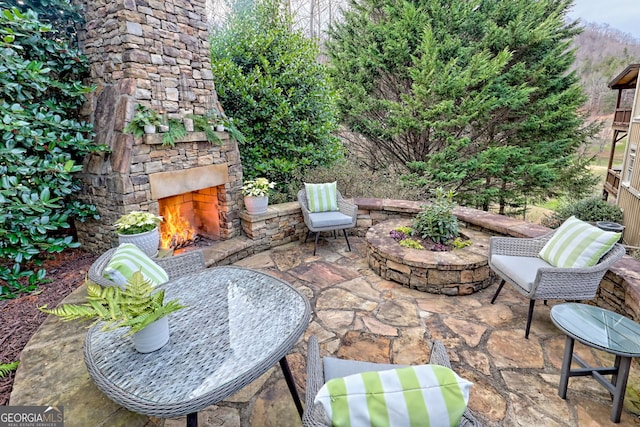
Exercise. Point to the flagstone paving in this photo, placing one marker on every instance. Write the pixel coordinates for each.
(358, 315)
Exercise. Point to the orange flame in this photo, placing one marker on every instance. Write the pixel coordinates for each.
(176, 231)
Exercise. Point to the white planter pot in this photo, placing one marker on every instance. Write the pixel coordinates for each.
(148, 241)
(220, 128)
(153, 337)
(256, 205)
(149, 128)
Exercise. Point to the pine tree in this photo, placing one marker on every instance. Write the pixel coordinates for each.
(475, 95)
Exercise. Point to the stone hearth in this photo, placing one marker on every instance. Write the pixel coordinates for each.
(458, 272)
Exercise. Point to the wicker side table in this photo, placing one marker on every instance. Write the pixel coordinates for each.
(238, 323)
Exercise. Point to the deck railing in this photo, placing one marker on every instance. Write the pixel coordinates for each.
(612, 183)
(622, 117)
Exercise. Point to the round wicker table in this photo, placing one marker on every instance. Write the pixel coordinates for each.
(238, 323)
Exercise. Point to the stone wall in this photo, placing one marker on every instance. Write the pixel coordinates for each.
(619, 290)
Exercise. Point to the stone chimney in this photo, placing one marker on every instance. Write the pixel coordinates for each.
(154, 53)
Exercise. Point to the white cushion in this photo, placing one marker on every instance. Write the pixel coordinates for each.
(322, 197)
(329, 219)
(577, 244)
(430, 395)
(128, 259)
(521, 269)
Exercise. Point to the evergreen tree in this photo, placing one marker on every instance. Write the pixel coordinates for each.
(475, 95)
(269, 81)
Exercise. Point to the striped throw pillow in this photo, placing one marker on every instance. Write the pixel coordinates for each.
(577, 244)
(128, 259)
(322, 197)
(423, 395)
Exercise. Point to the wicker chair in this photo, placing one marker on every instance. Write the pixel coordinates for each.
(342, 219)
(315, 416)
(175, 266)
(516, 261)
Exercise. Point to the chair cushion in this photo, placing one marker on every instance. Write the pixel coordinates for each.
(415, 395)
(322, 197)
(521, 270)
(329, 219)
(336, 368)
(577, 244)
(128, 259)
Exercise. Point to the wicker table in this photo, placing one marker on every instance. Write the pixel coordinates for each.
(238, 323)
(604, 330)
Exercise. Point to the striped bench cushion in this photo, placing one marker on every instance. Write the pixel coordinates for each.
(423, 395)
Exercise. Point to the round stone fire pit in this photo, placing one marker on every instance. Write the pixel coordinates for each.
(457, 272)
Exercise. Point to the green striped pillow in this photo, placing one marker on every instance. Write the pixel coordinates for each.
(423, 395)
(577, 244)
(128, 259)
(322, 197)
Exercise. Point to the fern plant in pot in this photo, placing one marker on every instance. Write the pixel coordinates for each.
(139, 307)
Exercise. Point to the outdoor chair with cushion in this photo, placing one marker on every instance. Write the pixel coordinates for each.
(566, 264)
(324, 209)
(442, 397)
(170, 267)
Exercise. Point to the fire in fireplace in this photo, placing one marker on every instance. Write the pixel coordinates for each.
(189, 217)
(191, 202)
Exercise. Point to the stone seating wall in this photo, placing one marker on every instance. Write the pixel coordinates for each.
(619, 290)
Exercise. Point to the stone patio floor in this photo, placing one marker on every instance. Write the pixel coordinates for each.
(358, 315)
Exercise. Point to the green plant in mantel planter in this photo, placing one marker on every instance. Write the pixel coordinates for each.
(143, 121)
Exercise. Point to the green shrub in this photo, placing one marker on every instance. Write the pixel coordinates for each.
(591, 209)
(43, 144)
(269, 81)
(436, 221)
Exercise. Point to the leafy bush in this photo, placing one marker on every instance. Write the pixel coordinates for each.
(269, 81)
(591, 209)
(436, 221)
(43, 144)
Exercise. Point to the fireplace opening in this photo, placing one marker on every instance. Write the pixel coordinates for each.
(189, 219)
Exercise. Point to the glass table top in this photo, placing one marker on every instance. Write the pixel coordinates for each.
(598, 328)
(238, 323)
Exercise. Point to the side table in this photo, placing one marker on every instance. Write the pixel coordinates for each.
(604, 330)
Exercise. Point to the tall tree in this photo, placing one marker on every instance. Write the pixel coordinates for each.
(267, 78)
(475, 95)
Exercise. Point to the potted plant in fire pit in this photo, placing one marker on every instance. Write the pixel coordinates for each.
(256, 195)
(141, 229)
(139, 307)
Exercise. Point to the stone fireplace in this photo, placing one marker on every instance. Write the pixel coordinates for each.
(155, 54)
